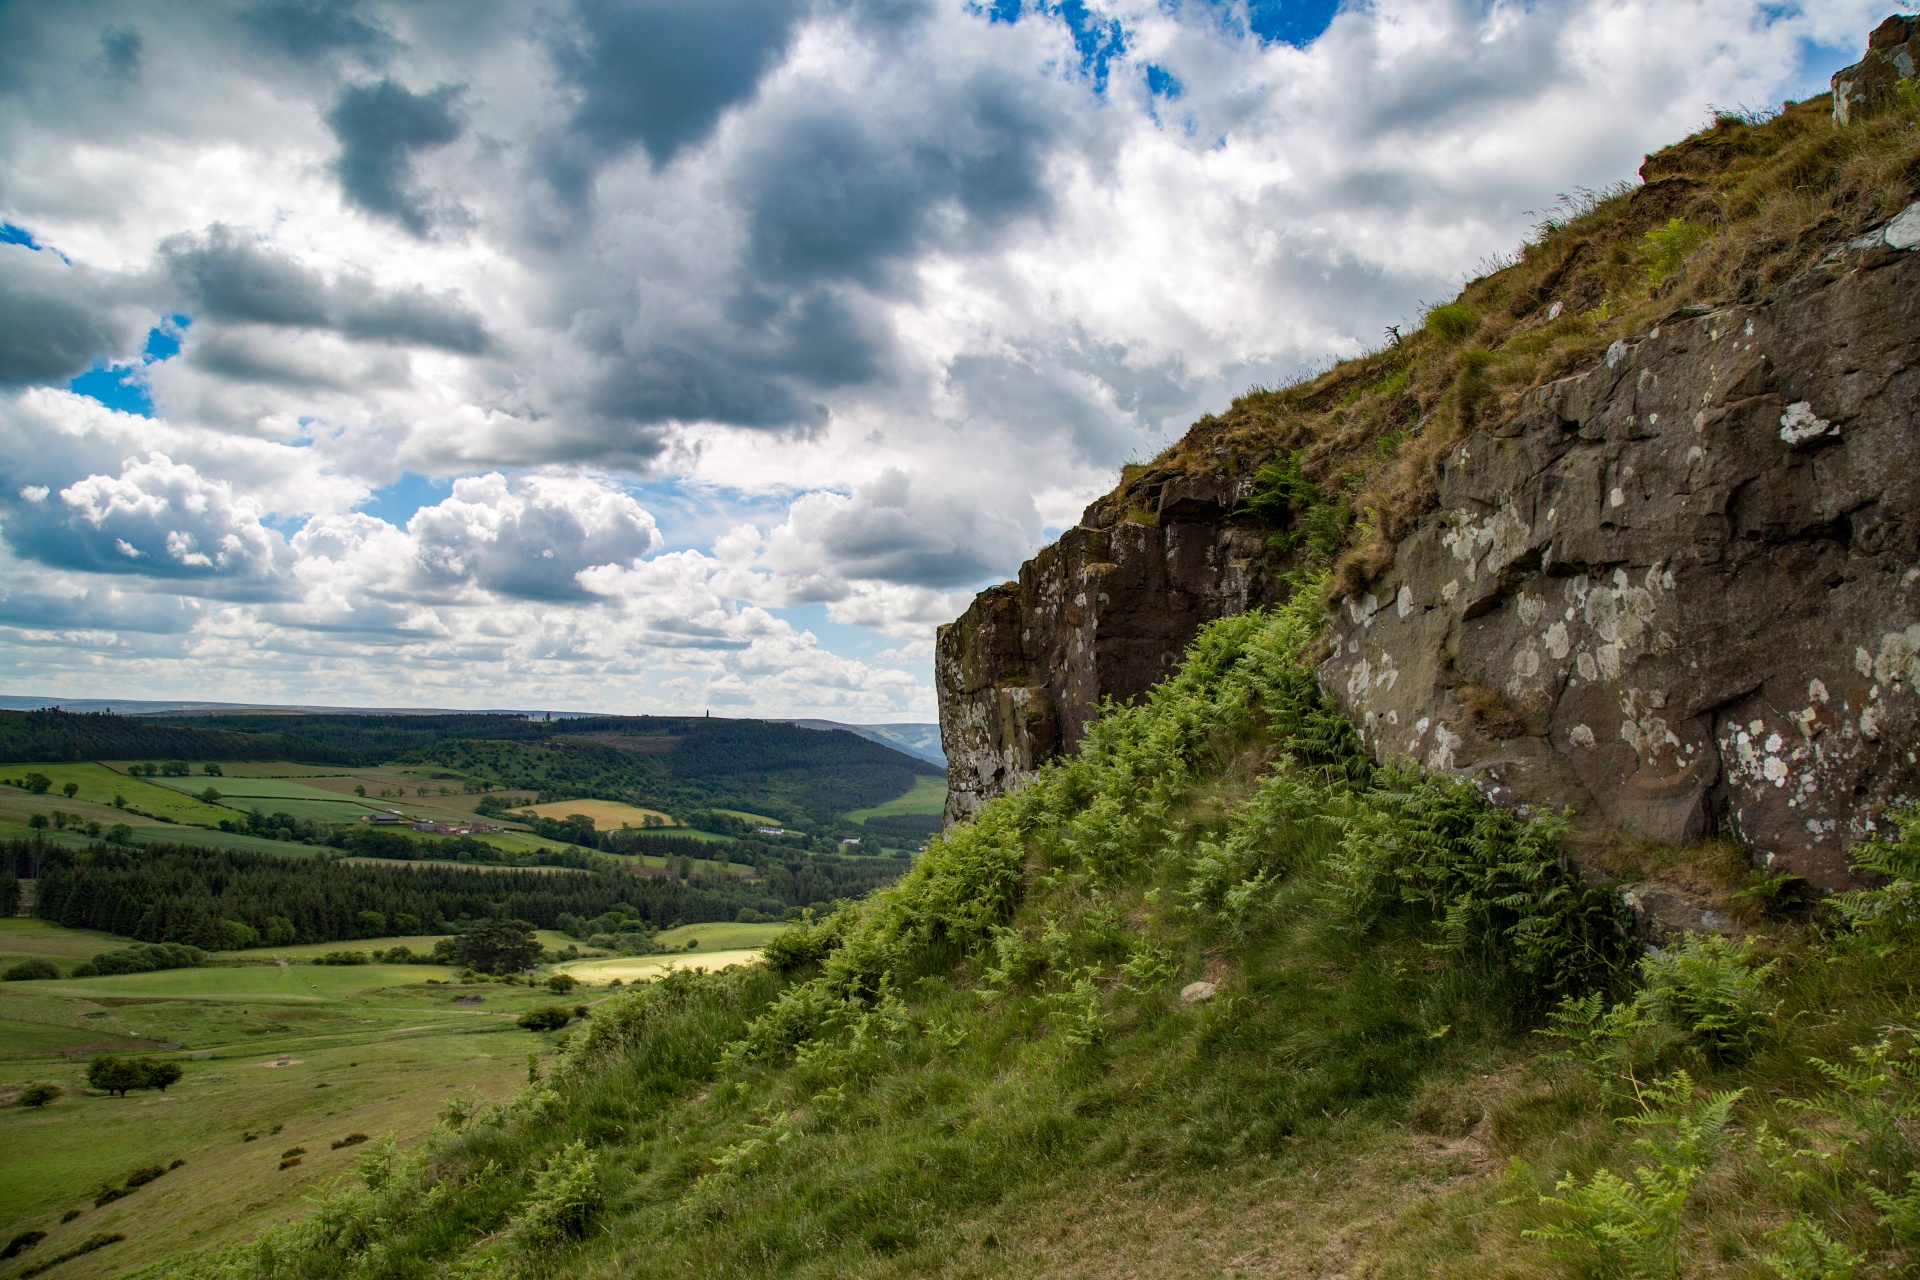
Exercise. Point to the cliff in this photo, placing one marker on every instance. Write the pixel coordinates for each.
(1628, 530)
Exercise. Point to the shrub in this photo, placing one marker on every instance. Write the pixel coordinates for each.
(37, 783)
(37, 1095)
(341, 957)
(1450, 322)
(561, 983)
(98, 1241)
(33, 970)
(289, 1161)
(149, 957)
(293, 1153)
(564, 1198)
(21, 1243)
(351, 1140)
(546, 1017)
(141, 1177)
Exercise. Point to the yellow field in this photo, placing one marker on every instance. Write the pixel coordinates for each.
(607, 815)
(598, 973)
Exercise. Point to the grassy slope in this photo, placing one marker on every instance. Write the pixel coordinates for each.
(390, 1053)
(929, 795)
(992, 1072)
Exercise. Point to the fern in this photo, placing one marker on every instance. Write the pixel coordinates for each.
(1807, 1252)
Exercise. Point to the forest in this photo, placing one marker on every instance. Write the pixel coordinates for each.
(217, 898)
(677, 762)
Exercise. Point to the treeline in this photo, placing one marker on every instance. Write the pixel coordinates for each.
(220, 898)
(28, 736)
(363, 739)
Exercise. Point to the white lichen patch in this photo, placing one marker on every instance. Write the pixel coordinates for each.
(1800, 424)
(1899, 658)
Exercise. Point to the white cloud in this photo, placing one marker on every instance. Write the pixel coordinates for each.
(883, 297)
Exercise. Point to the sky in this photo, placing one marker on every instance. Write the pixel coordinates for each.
(682, 355)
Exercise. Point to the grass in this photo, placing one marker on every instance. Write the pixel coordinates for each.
(420, 943)
(721, 936)
(389, 1049)
(98, 785)
(631, 969)
(989, 1069)
(928, 796)
(607, 815)
(760, 819)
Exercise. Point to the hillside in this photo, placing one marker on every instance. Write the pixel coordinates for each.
(1001, 1066)
(794, 774)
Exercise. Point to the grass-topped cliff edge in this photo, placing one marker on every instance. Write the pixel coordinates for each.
(988, 1068)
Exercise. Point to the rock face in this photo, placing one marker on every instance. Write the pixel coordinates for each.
(1105, 612)
(1892, 52)
(1681, 591)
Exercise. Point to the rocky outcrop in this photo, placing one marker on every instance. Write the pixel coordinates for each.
(1677, 595)
(1105, 612)
(1871, 83)
(1680, 592)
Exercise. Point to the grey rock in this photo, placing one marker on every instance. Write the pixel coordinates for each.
(1689, 574)
(1105, 612)
(1195, 992)
(1869, 84)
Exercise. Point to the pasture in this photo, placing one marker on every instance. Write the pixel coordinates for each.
(374, 1049)
(928, 796)
(607, 815)
(631, 969)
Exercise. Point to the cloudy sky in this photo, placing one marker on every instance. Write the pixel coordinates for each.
(656, 355)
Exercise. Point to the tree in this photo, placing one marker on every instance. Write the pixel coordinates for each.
(70, 790)
(116, 1075)
(498, 946)
(209, 796)
(212, 771)
(33, 970)
(561, 983)
(277, 931)
(369, 924)
(37, 783)
(546, 1017)
(38, 822)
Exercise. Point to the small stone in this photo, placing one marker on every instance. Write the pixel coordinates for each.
(1194, 992)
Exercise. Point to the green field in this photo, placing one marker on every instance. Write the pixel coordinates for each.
(744, 816)
(929, 796)
(388, 1049)
(98, 785)
(418, 942)
(717, 937)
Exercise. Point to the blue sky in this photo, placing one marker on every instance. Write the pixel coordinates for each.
(649, 355)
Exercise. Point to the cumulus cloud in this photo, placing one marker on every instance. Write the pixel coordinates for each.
(752, 305)
(156, 518)
(225, 275)
(380, 126)
(56, 318)
(530, 540)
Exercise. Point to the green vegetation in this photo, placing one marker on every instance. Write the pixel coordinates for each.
(1215, 988)
(218, 899)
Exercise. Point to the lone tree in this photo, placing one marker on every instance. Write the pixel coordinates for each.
(561, 983)
(498, 946)
(117, 1075)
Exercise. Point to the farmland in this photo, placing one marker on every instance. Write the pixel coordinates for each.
(607, 815)
(375, 1049)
